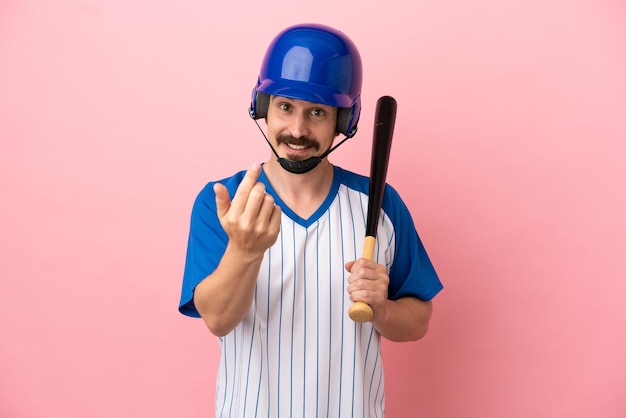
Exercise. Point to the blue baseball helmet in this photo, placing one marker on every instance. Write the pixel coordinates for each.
(315, 63)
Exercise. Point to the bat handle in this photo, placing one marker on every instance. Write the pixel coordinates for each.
(361, 311)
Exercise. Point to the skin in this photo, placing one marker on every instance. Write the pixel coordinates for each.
(252, 222)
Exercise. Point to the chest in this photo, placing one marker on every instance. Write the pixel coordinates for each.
(304, 271)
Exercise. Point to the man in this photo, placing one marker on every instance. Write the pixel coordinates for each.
(273, 256)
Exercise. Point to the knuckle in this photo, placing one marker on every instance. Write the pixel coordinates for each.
(259, 187)
(268, 199)
(246, 226)
(258, 192)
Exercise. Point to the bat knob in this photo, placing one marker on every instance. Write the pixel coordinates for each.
(360, 312)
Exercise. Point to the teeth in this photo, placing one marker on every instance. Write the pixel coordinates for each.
(298, 147)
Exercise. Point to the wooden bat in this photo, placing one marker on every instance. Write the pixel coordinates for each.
(384, 122)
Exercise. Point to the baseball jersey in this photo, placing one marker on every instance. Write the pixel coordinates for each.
(297, 353)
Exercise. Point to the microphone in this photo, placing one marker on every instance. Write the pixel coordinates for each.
(299, 167)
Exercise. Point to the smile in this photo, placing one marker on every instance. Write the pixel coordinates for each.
(297, 147)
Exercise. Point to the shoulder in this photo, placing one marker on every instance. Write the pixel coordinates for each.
(361, 183)
(204, 202)
(352, 180)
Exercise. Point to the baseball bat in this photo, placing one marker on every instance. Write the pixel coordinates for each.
(384, 122)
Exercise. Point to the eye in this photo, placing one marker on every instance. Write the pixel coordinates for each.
(285, 107)
(318, 112)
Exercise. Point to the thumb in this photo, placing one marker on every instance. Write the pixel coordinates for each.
(222, 199)
(349, 265)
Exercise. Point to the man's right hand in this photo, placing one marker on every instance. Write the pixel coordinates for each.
(251, 219)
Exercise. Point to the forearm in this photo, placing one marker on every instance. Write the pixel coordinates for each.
(225, 296)
(405, 319)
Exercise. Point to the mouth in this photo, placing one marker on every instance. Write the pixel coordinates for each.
(296, 152)
(297, 146)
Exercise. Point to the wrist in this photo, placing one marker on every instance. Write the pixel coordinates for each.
(243, 255)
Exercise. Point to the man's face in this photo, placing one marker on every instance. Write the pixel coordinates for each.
(299, 129)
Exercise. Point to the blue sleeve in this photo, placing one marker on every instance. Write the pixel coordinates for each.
(412, 273)
(207, 242)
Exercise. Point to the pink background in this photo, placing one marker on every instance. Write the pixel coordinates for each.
(509, 149)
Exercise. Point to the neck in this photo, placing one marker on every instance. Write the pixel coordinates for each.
(303, 193)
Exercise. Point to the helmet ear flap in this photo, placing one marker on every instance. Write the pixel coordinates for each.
(348, 119)
(260, 104)
(344, 117)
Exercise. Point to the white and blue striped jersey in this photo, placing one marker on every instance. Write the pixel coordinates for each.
(297, 353)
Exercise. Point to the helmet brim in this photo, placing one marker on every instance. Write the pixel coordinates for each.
(299, 90)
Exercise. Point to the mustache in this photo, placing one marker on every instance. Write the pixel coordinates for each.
(301, 141)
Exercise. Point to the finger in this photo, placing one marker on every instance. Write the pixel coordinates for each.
(246, 185)
(256, 197)
(364, 263)
(358, 267)
(275, 219)
(365, 272)
(222, 199)
(266, 209)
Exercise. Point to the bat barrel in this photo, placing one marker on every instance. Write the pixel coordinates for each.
(385, 120)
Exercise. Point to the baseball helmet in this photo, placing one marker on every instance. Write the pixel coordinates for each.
(314, 63)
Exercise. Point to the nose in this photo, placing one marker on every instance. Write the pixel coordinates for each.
(299, 126)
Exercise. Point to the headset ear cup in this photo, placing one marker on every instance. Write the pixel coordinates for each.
(262, 102)
(343, 119)
(347, 120)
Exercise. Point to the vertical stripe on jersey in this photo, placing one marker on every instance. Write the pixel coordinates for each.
(330, 315)
(343, 258)
(250, 353)
(317, 328)
(277, 361)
